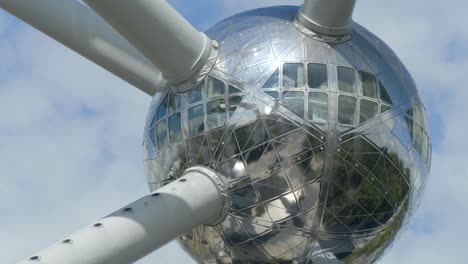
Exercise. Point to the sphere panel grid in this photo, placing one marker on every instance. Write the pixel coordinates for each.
(305, 186)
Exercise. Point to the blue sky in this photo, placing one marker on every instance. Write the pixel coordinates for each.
(71, 133)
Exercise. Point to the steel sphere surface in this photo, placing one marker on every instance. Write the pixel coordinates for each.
(324, 148)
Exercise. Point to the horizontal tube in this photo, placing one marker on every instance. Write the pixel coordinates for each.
(160, 33)
(144, 225)
(80, 29)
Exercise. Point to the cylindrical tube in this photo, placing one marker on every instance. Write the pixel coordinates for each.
(80, 29)
(144, 225)
(328, 17)
(158, 31)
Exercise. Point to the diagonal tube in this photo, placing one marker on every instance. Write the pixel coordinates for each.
(80, 29)
(160, 33)
(197, 198)
(328, 17)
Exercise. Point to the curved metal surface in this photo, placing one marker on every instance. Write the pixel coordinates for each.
(324, 148)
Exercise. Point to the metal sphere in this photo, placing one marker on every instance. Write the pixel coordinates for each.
(324, 148)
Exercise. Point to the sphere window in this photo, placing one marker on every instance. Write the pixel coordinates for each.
(216, 113)
(234, 103)
(162, 110)
(294, 101)
(425, 147)
(196, 117)
(293, 75)
(384, 95)
(234, 90)
(273, 81)
(317, 76)
(369, 84)
(420, 117)
(347, 106)
(346, 80)
(196, 95)
(318, 107)
(215, 87)
(275, 95)
(384, 108)
(175, 128)
(174, 102)
(410, 124)
(418, 138)
(368, 110)
(161, 134)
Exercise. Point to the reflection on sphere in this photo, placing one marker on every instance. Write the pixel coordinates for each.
(325, 148)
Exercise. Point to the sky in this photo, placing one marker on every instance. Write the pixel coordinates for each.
(71, 133)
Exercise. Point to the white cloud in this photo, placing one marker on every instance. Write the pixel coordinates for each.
(60, 170)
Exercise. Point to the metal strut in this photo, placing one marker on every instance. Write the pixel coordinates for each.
(134, 231)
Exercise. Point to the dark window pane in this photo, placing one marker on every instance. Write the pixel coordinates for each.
(162, 110)
(346, 80)
(293, 75)
(273, 81)
(216, 113)
(233, 90)
(215, 87)
(369, 84)
(273, 94)
(418, 138)
(410, 124)
(161, 134)
(384, 95)
(196, 117)
(368, 111)
(347, 110)
(196, 94)
(174, 102)
(175, 128)
(234, 102)
(317, 74)
(384, 108)
(410, 112)
(318, 107)
(294, 101)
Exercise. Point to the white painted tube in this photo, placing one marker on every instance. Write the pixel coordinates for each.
(328, 17)
(144, 225)
(80, 29)
(158, 31)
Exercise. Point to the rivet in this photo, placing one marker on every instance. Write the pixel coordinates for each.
(34, 258)
(97, 225)
(183, 180)
(155, 194)
(128, 209)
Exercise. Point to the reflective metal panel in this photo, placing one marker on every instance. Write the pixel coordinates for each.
(325, 148)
